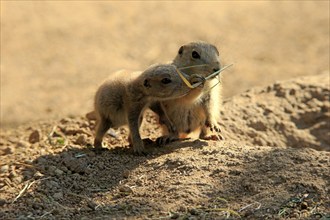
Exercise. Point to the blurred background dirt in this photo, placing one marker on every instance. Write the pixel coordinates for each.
(54, 54)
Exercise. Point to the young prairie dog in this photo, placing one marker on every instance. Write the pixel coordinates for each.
(199, 109)
(121, 99)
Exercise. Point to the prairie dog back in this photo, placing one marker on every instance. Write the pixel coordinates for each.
(111, 94)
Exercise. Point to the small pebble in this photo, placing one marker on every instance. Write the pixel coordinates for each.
(91, 116)
(4, 169)
(58, 195)
(51, 169)
(175, 216)
(304, 205)
(9, 150)
(81, 140)
(91, 204)
(125, 189)
(52, 184)
(58, 172)
(324, 160)
(27, 174)
(2, 202)
(38, 174)
(193, 211)
(34, 137)
(66, 120)
(126, 174)
(17, 179)
(12, 173)
(23, 144)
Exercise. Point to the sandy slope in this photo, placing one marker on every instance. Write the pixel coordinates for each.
(54, 54)
(267, 168)
(295, 113)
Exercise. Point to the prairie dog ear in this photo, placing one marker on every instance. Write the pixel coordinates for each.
(216, 49)
(180, 50)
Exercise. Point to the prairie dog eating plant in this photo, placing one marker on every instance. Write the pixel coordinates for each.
(200, 108)
(122, 98)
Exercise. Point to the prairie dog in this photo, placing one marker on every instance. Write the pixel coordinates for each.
(199, 109)
(121, 99)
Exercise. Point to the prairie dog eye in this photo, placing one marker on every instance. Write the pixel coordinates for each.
(195, 55)
(166, 81)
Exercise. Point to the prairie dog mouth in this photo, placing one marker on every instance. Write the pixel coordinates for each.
(194, 85)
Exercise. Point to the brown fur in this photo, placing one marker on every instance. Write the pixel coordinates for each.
(200, 109)
(121, 99)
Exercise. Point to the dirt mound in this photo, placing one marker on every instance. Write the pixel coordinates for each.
(265, 169)
(286, 114)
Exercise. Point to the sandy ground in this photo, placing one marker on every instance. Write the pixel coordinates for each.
(273, 164)
(55, 54)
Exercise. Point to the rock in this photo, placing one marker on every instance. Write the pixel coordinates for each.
(73, 129)
(17, 179)
(64, 169)
(91, 204)
(52, 184)
(51, 170)
(85, 124)
(23, 144)
(4, 168)
(66, 120)
(235, 172)
(58, 195)
(91, 116)
(28, 174)
(125, 174)
(38, 174)
(194, 211)
(88, 170)
(8, 150)
(257, 125)
(34, 137)
(323, 160)
(112, 133)
(125, 189)
(58, 172)
(12, 173)
(78, 165)
(81, 140)
(2, 202)
(304, 205)
(175, 216)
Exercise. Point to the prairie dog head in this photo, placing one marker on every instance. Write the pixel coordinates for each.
(163, 82)
(198, 53)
